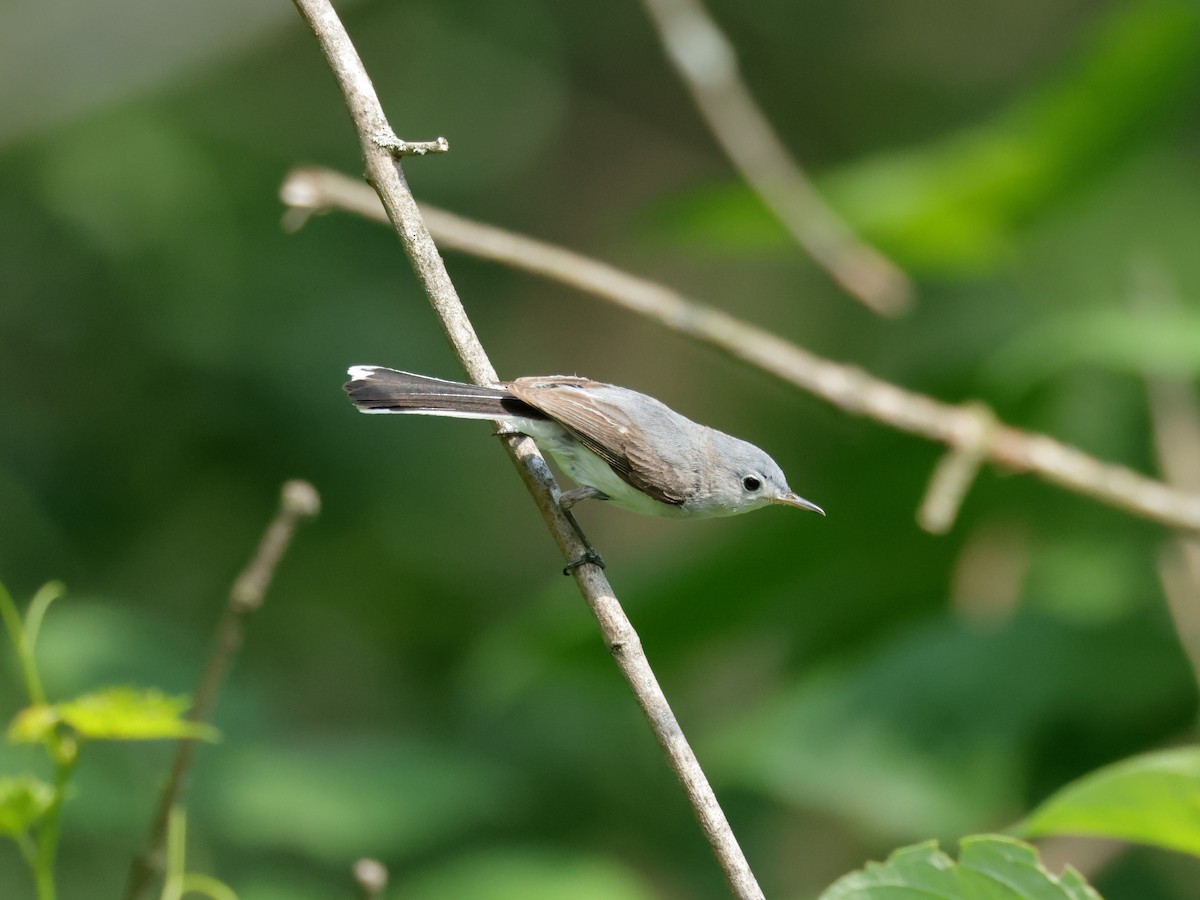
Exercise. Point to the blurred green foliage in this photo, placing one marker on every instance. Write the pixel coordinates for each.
(1153, 798)
(117, 713)
(23, 800)
(990, 866)
(30, 809)
(422, 684)
(956, 203)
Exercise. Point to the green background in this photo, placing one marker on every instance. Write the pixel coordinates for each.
(423, 685)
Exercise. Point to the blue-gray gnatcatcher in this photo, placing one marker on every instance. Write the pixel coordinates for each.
(619, 445)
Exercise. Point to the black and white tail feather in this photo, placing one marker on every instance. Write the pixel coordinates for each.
(377, 389)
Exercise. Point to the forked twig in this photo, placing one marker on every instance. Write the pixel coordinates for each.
(969, 429)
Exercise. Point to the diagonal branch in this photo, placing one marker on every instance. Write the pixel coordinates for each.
(707, 63)
(386, 176)
(969, 429)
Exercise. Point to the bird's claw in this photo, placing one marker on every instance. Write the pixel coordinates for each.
(588, 556)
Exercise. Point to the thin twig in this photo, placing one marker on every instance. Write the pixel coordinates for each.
(707, 63)
(849, 388)
(298, 501)
(397, 147)
(386, 176)
(953, 477)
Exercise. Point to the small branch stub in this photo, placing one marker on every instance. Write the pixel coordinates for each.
(372, 878)
(956, 471)
(397, 147)
(298, 501)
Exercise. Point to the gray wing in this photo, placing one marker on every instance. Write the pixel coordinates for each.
(632, 445)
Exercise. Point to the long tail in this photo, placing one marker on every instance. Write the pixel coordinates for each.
(376, 389)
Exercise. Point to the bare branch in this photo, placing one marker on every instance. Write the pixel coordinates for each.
(847, 387)
(298, 501)
(707, 63)
(386, 176)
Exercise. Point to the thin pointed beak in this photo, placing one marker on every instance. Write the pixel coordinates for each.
(790, 499)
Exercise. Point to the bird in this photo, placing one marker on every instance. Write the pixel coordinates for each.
(618, 445)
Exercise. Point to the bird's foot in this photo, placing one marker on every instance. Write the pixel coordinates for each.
(589, 555)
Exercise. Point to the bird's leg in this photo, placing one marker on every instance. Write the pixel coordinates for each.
(569, 498)
(589, 555)
(565, 502)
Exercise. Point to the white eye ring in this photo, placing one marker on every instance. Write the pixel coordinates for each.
(751, 483)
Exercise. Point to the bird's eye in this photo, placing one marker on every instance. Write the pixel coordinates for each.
(751, 483)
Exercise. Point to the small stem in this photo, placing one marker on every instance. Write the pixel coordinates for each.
(41, 601)
(44, 884)
(28, 847)
(398, 147)
(24, 647)
(176, 854)
(65, 754)
(40, 850)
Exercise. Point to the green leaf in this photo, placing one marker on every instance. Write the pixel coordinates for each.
(32, 724)
(990, 867)
(847, 737)
(1166, 344)
(115, 714)
(23, 801)
(1150, 799)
